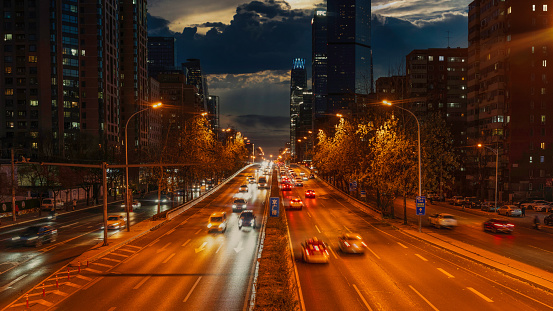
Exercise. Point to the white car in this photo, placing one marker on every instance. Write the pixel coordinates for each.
(135, 204)
(48, 203)
(542, 207)
(509, 210)
(116, 222)
(443, 220)
(243, 188)
(532, 204)
(352, 243)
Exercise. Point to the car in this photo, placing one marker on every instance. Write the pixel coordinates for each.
(163, 199)
(262, 182)
(298, 183)
(457, 200)
(498, 225)
(532, 203)
(251, 180)
(243, 188)
(246, 219)
(314, 251)
(310, 193)
(489, 207)
(542, 207)
(217, 222)
(548, 220)
(304, 178)
(296, 203)
(36, 236)
(286, 187)
(302, 173)
(135, 204)
(239, 204)
(116, 222)
(48, 203)
(509, 210)
(352, 243)
(311, 176)
(471, 202)
(442, 220)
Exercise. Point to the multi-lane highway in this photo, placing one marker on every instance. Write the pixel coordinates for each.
(21, 267)
(398, 272)
(178, 266)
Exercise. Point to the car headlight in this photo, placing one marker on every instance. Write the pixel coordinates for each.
(209, 225)
(15, 238)
(233, 205)
(244, 205)
(33, 238)
(221, 225)
(240, 222)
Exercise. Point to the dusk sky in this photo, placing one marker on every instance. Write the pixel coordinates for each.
(246, 49)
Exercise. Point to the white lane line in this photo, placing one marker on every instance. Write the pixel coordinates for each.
(163, 248)
(101, 264)
(423, 298)
(308, 214)
(198, 231)
(168, 258)
(362, 298)
(3, 288)
(184, 244)
(333, 253)
(424, 259)
(479, 294)
(444, 272)
(220, 247)
(347, 229)
(142, 282)
(134, 246)
(317, 228)
(154, 242)
(375, 255)
(112, 308)
(192, 289)
(402, 245)
(69, 225)
(541, 249)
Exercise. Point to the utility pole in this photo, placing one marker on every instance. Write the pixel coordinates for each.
(13, 187)
(105, 190)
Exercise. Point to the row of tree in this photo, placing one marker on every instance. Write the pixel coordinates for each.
(379, 152)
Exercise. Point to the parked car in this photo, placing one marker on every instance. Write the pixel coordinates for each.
(456, 200)
(36, 236)
(48, 203)
(532, 203)
(509, 210)
(548, 220)
(352, 243)
(314, 251)
(498, 225)
(542, 207)
(488, 207)
(471, 202)
(443, 220)
(246, 219)
(217, 222)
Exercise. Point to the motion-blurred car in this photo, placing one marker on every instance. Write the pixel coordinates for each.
(286, 187)
(48, 203)
(443, 220)
(457, 200)
(296, 203)
(310, 193)
(548, 220)
(251, 180)
(163, 199)
(471, 202)
(135, 204)
(314, 251)
(352, 243)
(509, 210)
(217, 222)
(246, 219)
(116, 222)
(36, 236)
(311, 176)
(498, 225)
(243, 188)
(239, 204)
(298, 183)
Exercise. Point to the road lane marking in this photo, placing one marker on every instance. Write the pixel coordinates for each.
(120, 255)
(423, 298)
(168, 258)
(112, 308)
(69, 225)
(375, 255)
(239, 247)
(201, 248)
(333, 253)
(126, 250)
(182, 223)
(198, 231)
(101, 264)
(541, 249)
(134, 246)
(170, 231)
(424, 259)
(192, 289)
(154, 242)
(362, 298)
(308, 214)
(115, 260)
(184, 244)
(3, 288)
(444, 272)
(347, 229)
(317, 229)
(219, 248)
(402, 245)
(95, 271)
(479, 294)
(142, 282)
(163, 248)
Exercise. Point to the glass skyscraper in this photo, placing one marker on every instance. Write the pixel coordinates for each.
(298, 83)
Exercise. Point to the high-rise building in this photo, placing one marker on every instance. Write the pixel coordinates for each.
(391, 88)
(349, 54)
(510, 109)
(213, 112)
(304, 128)
(436, 81)
(319, 62)
(196, 77)
(162, 55)
(298, 84)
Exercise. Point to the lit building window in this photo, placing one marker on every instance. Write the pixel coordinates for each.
(10, 124)
(509, 10)
(533, 8)
(542, 146)
(8, 37)
(544, 63)
(543, 119)
(8, 92)
(532, 50)
(530, 161)
(33, 59)
(542, 159)
(33, 102)
(34, 145)
(545, 7)
(441, 58)
(8, 69)
(543, 91)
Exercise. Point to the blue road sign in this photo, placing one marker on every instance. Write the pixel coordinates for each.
(275, 206)
(363, 193)
(420, 205)
(352, 185)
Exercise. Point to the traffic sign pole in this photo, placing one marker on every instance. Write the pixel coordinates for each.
(420, 208)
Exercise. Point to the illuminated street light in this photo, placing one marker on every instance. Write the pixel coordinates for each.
(128, 203)
(496, 152)
(339, 115)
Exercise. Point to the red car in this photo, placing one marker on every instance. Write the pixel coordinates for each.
(310, 193)
(286, 187)
(496, 225)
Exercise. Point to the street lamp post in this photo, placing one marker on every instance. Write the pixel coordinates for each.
(496, 152)
(128, 201)
(385, 102)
